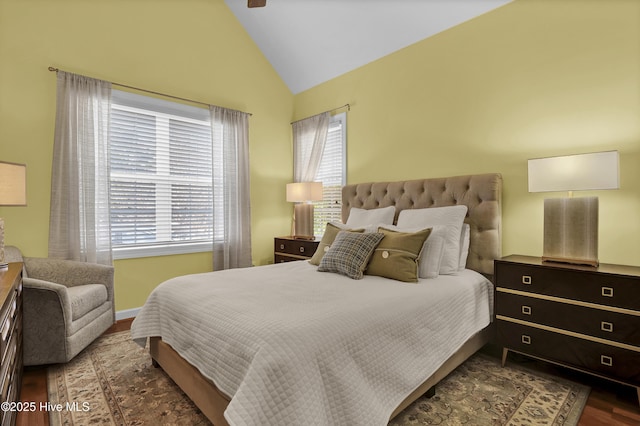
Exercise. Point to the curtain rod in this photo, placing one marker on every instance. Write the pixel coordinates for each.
(347, 106)
(157, 93)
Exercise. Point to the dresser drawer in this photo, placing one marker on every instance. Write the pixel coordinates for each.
(8, 367)
(303, 248)
(598, 358)
(615, 326)
(7, 322)
(583, 285)
(281, 258)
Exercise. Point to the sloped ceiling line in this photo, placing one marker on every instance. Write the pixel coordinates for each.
(309, 42)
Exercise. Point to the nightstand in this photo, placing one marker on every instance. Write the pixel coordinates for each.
(581, 317)
(287, 249)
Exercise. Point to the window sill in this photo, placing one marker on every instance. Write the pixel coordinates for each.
(160, 250)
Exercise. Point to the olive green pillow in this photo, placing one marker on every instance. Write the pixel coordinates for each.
(396, 256)
(329, 236)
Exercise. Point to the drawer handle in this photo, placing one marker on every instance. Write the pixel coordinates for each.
(526, 310)
(526, 339)
(606, 326)
(5, 329)
(301, 249)
(526, 279)
(281, 246)
(607, 291)
(14, 307)
(606, 360)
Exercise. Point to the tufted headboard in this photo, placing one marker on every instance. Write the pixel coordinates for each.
(480, 193)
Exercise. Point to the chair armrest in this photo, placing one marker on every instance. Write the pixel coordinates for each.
(46, 321)
(44, 296)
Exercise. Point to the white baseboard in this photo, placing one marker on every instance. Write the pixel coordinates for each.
(127, 313)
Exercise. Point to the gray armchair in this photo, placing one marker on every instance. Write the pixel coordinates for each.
(66, 306)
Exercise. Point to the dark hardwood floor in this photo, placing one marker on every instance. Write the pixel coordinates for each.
(34, 386)
(609, 404)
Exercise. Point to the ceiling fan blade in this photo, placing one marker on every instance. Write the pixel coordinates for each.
(256, 3)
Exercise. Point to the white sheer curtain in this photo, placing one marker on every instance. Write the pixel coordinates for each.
(232, 212)
(79, 224)
(309, 137)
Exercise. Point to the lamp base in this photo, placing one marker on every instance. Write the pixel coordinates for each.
(582, 262)
(303, 237)
(571, 230)
(303, 221)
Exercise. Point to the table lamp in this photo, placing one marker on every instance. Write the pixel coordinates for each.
(571, 223)
(303, 193)
(13, 192)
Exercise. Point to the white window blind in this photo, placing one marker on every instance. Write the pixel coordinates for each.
(332, 174)
(161, 177)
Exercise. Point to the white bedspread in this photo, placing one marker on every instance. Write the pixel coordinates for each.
(294, 346)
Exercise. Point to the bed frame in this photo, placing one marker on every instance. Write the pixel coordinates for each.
(480, 193)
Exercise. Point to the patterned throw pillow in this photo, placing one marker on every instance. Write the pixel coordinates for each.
(396, 256)
(330, 233)
(350, 253)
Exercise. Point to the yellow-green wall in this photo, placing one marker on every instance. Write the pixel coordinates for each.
(533, 78)
(194, 49)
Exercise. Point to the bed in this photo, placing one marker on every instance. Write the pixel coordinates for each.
(349, 357)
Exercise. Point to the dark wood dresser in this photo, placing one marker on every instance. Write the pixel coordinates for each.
(287, 249)
(585, 318)
(11, 344)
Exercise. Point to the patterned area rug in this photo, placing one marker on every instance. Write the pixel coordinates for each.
(112, 382)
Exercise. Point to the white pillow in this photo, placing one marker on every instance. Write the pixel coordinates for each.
(432, 250)
(464, 246)
(431, 256)
(363, 217)
(450, 217)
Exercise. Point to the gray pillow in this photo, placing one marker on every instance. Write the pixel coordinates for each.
(350, 253)
(330, 233)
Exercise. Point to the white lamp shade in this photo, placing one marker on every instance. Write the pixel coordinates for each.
(298, 192)
(598, 170)
(13, 184)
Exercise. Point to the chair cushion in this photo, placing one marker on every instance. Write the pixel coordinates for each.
(85, 298)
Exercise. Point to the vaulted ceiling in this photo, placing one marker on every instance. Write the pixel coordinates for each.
(309, 42)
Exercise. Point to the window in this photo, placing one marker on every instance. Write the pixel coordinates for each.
(161, 177)
(332, 174)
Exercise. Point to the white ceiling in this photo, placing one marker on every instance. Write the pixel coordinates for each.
(309, 42)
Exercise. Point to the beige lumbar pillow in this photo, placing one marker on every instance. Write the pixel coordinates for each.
(396, 256)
